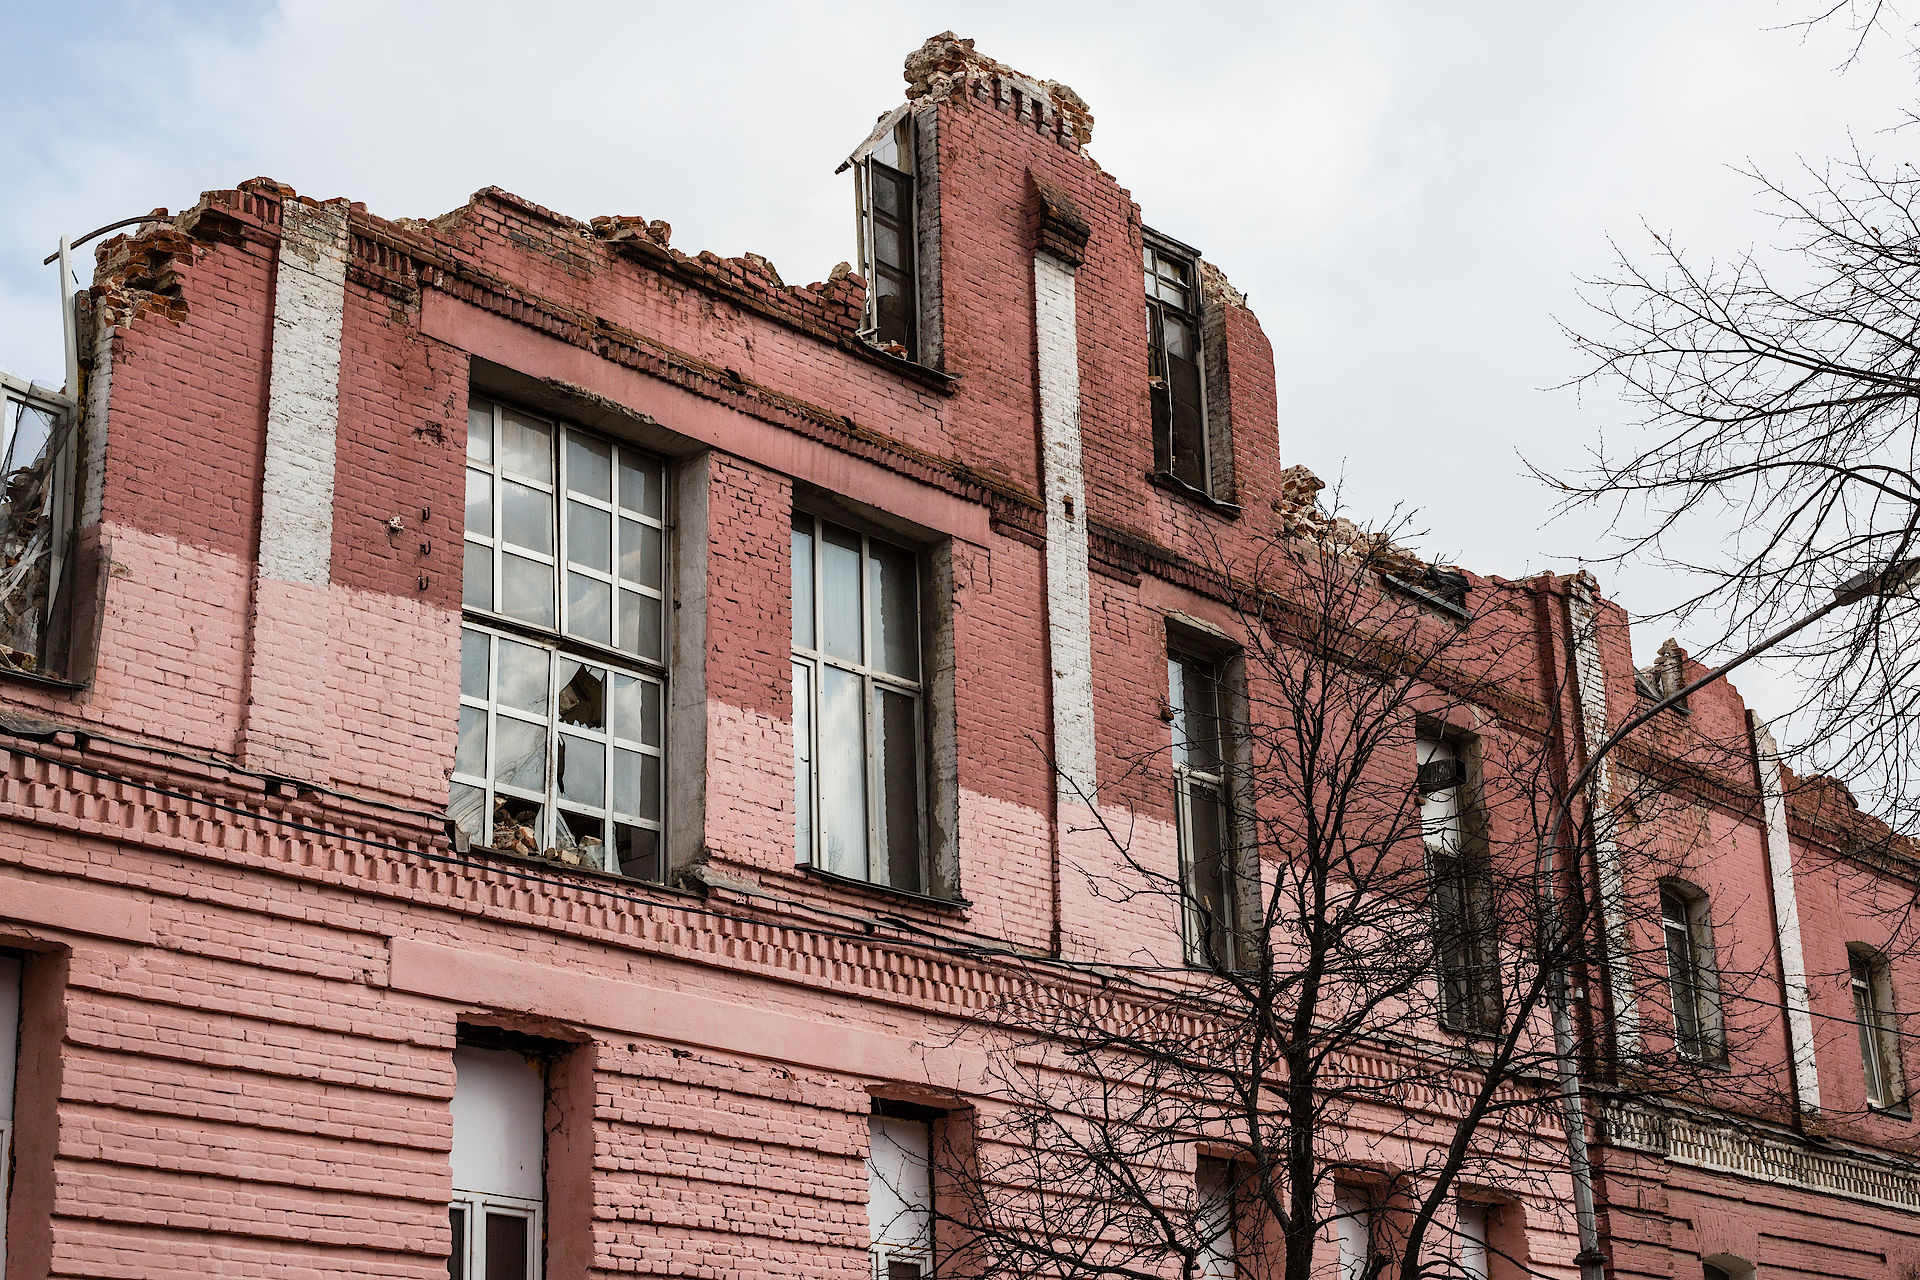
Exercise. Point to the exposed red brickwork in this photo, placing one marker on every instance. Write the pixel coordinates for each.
(245, 990)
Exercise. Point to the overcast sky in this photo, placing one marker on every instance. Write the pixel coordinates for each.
(1407, 192)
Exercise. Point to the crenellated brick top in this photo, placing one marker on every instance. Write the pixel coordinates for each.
(946, 63)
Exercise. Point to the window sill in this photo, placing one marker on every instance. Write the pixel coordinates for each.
(1199, 497)
(1458, 613)
(487, 853)
(1897, 1111)
(938, 379)
(1465, 1032)
(1719, 1063)
(952, 906)
(33, 679)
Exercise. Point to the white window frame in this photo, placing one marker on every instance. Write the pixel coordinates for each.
(560, 644)
(1186, 778)
(499, 1151)
(608, 737)
(1353, 1227)
(52, 544)
(1475, 1222)
(477, 1207)
(809, 669)
(1699, 986)
(560, 492)
(1870, 978)
(889, 134)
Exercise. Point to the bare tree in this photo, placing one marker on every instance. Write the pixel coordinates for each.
(1776, 456)
(1357, 1038)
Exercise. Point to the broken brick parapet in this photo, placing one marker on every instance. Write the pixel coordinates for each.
(947, 67)
(831, 310)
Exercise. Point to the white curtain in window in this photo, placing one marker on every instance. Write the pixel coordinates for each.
(900, 1191)
(1355, 1224)
(1213, 1186)
(1473, 1241)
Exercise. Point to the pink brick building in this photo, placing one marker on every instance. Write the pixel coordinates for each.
(457, 644)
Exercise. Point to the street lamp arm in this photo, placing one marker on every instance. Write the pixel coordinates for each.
(1598, 753)
(1891, 580)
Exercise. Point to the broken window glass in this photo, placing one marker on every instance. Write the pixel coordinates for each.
(1175, 380)
(36, 523)
(887, 228)
(561, 746)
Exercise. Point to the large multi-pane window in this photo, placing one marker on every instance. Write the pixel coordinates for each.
(885, 192)
(1692, 981)
(1465, 948)
(563, 655)
(858, 706)
(1180, 446)
(1196, 695)
(499, 1178)
(1871, 979)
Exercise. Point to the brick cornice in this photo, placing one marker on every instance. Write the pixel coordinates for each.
(1725, 1145)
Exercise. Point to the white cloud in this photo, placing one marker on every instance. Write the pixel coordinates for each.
(1406, 190)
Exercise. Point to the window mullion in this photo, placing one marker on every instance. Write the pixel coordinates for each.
(557, 512)
(879, 866)
(551, 810)
(495, 482)
(819, 687)
(1183, 834)
(920, 786)
(493, 728)
(614, 597)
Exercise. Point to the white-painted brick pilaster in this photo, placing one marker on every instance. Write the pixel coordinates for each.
(1063, 483)
(303, 398)
(1590, 688)
(290, 628)
(1786, 917)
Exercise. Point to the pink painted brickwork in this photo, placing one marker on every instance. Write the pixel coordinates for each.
(252, 943)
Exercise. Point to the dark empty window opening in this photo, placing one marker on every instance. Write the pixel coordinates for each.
(36, 526)
(1466, 947)
(1198, 697)
(887, 222)
(1175, 369)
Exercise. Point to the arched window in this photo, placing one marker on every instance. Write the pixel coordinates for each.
(1692, 980)
(1871, 978)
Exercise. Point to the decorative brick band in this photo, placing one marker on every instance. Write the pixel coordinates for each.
(1724, 1149)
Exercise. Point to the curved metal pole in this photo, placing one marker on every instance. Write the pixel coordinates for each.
(1566, 1066)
